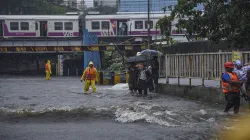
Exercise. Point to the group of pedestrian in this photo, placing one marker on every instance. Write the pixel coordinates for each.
(235, 83)
(143, 77)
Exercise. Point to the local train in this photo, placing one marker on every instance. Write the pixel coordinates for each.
(60, 26)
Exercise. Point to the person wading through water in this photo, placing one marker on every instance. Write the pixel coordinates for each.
(143, 77)
(231, 88)
(133, 77)
(90, 76)
(48, 70)
(155, 72)
(246, 68)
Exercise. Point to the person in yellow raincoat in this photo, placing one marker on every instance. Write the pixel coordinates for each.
(48, 70)
(90, 76)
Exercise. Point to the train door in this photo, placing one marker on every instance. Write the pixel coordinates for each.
(1, 28)
(122, 27)
(43, 28)
(37, 28)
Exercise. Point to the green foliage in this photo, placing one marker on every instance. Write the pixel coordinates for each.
(221, 20)
(113, 61)
(33, 7)
(165, 27)
(104, 10)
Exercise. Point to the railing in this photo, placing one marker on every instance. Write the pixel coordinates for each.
(162, 67)
(205, 66)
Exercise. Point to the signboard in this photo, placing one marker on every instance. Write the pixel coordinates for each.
(236, 55)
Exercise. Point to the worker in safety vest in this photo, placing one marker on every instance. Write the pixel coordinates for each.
(48, 70)
(90, 76)
(231, 88)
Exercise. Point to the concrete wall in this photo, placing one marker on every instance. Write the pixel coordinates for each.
(207, 94)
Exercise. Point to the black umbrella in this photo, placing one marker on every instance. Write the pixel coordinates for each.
(148, 52)
(137, 59)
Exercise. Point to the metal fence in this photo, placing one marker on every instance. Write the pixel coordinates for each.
(199, 65)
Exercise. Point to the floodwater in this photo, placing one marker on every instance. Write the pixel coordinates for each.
(32, 108)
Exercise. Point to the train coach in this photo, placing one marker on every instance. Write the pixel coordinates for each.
(123, 25)
(38, 26)
(66, 26)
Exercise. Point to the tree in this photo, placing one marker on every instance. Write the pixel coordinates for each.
(32, 7)
(165, 27)
(113, 61)
(220, 20)
(104, 10)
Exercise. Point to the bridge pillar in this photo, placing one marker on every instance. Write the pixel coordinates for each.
(60, 60)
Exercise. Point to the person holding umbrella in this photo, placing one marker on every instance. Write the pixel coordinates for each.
(143, 77)
(133, 77)
(155, 72)
(154, 64)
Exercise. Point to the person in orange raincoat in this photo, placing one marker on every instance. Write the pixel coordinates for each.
(90, 76)
(48, 70)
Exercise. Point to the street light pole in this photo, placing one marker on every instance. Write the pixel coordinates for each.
(148, 24)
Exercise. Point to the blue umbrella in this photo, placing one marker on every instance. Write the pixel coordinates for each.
(151, 52)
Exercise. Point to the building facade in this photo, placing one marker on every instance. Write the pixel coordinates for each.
(105, 3)
(142, 5)
(71, 3)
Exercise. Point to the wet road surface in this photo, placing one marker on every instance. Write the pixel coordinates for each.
(32, 108)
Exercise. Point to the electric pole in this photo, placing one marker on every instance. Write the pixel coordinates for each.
(148, 24)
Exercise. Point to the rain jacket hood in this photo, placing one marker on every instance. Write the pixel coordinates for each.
(91, 63)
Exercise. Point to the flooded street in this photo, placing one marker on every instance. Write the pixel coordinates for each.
(32, 108)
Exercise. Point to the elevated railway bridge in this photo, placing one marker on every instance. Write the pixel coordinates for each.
(29, 55)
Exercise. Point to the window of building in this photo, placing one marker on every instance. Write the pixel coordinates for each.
(68, 26)
(150, 24)
(58, 26)
(24, 25)
(95, 25)
(14, 26)
(138, 24)
(105, 25)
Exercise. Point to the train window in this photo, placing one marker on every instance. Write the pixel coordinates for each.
(58, 26)
(68, 26)
(105, 25)
(24, 25)
(138, 24)
(150, 24)
(14, 26)
(36, 26)
(95, 25)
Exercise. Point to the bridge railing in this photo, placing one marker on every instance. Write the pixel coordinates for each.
(205, 66)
